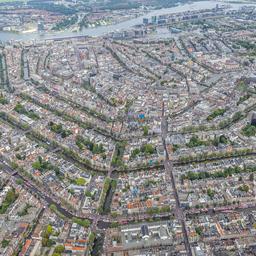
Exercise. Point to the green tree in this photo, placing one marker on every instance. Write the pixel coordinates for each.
(5, 243)
(80, 181)
(145, 130)
(59, 249)
(210, 193)
(199, 230)
(244, 188)
(249, 130)
(56, 254)
(148, 149)
(49, 229)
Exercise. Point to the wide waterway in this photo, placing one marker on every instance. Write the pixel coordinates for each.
(100, 31)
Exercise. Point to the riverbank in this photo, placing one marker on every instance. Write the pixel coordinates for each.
(103, 30)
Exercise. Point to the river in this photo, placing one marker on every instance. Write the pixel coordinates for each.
(100, 31)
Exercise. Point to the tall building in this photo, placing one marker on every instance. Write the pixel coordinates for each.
(145, 21)
(154, 19)
(40, 26)
(253, 121)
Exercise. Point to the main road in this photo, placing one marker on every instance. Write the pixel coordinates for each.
(168, 165)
